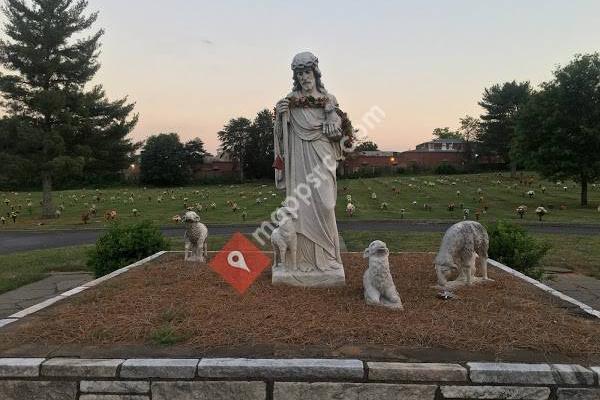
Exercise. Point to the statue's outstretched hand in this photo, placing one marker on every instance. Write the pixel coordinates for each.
(332, 131)
(283, 106)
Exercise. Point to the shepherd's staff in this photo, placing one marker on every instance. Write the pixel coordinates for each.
(285, 119)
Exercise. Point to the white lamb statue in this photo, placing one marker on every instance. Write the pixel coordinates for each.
(464, 246)
(377, 280)
(195, 237)
(284, 238)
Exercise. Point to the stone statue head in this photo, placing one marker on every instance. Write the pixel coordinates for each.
(303, 63)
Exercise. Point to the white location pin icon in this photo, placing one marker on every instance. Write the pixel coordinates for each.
(235, 259)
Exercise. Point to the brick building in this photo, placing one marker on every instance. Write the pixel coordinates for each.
(427, 155)
(220, 166)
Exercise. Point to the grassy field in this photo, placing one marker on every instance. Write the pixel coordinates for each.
(421, 198)
(19, 269)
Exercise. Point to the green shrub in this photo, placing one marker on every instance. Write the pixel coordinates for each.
(446, 169)
(125, 244)
(511, 245)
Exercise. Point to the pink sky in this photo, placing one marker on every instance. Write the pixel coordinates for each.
(191, 66)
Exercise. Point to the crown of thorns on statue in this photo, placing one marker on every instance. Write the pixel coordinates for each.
(305, 60)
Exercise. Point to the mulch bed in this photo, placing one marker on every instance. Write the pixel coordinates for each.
(195, 308)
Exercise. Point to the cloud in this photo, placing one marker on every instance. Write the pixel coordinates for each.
(208, 42)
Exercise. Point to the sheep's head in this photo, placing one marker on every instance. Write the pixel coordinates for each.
(190, 217)
(376, 248)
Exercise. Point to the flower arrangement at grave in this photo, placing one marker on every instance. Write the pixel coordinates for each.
(57, 214)
(402, 211)
(531, 194)
(135, 212)
(3, 220)
(384, 206)
(176, 219)
(466, 213)
(541, 211)
(451, 207)
(350, 209)
(521, 210)
(374, 196)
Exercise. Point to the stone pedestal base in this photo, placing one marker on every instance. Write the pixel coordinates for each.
(316, 279)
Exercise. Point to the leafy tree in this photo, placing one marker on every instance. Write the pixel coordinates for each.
(558, 131)
(367, 146)
(194, 154)
(501, 104)
(446, 133)
(54, 126)
(259, 148)
(234, 138)
(470, 128)
(163, 161)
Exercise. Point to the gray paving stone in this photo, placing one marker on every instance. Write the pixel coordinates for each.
(571, 374)
(113, 397)
(527, 374)
(197, 390)
(129, 387)
(159, 368)
(578, 394)
(351, 391)
(495, 392)
(20, 367)
(38, 390)
(318, 369)
(58, 367)
(424, 372)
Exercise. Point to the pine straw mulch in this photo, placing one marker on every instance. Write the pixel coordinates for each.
(195, 308)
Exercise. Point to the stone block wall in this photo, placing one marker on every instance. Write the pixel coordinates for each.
(288, 379)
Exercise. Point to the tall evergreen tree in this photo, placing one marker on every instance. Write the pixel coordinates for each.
(501, 104)
(62, 127)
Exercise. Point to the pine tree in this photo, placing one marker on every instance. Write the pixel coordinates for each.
(63, 127)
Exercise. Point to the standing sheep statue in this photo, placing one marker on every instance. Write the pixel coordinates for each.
(464, 246)
(284, 238)
(195, 237)
(377, 280)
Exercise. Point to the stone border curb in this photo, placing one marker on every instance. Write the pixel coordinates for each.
(316, 369)
(289, 379)
(587, 309)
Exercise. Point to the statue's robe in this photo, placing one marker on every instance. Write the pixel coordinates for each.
(311, 162)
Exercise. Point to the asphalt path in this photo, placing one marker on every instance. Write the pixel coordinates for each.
(15, 241)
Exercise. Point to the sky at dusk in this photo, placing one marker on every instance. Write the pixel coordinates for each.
(190, 66)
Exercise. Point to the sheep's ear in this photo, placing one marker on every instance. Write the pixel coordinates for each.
(366, 253)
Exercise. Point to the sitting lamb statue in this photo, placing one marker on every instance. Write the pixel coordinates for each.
(195, 238)
(464, 245)
(377, 280)
(284, 238)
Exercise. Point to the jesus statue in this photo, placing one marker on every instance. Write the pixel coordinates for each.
(307, 150)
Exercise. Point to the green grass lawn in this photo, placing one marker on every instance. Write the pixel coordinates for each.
(500, 194)
(18, 269)
(577, 252)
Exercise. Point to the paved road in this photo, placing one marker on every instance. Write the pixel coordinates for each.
(13, 241)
